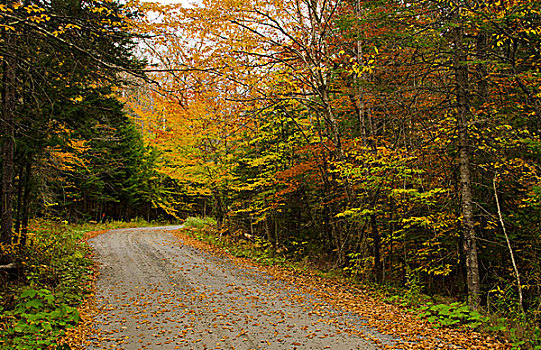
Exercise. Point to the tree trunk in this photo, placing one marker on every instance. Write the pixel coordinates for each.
(26, 201)
(20, 187)
(219, 211)
(511, 253)
(8, 141)
(378, 268)
(482, 72)
(468, 223)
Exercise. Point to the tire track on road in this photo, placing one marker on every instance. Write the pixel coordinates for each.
(156, 293)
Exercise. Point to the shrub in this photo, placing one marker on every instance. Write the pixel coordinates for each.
(54, 276)
(198, 222)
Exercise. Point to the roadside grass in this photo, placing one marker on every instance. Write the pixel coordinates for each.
(54, 274)
(91, 225)
(199, 222)
(520, 331)
(237, 244)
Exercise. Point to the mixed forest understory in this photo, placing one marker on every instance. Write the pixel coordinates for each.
(396, 143)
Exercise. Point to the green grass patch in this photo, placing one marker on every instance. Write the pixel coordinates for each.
(112, 225)
(199, 222)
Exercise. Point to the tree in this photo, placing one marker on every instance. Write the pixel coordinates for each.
(7, 130)
(367, 134)
(64, 51)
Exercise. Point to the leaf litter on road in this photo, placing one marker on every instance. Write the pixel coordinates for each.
(200, 306)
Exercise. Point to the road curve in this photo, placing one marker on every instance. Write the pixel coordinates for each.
(156, 293)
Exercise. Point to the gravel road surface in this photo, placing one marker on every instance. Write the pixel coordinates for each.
(156, 293)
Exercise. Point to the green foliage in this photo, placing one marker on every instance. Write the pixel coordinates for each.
(523, 332)
(55, 276)
(198, 222)
(55, 256)
(258, 249)
(413, 293)
(37, 320)
(444, 315)
(238, 244)
(359, 264)
(83, 158)
(86, 226)
(108, 172)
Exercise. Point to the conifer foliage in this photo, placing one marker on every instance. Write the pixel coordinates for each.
(68, 148)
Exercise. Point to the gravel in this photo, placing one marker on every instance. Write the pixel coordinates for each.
(156, 293)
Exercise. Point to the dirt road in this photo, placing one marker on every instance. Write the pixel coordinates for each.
(156, 293)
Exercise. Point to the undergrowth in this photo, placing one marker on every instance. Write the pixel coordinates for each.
(54, 272)
(522, 330)
(198, 222)
(237, 244)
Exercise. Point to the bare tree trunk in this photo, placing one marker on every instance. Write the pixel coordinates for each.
(511, 253)
(358, 91)
(8, 140)
(470, 244)
(20, 188)
(378, 267)
(26, 201)
(482, 72)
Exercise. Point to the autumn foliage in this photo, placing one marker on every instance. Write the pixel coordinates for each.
(370, 136)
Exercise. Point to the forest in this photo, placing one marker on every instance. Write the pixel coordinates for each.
(396, 141)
